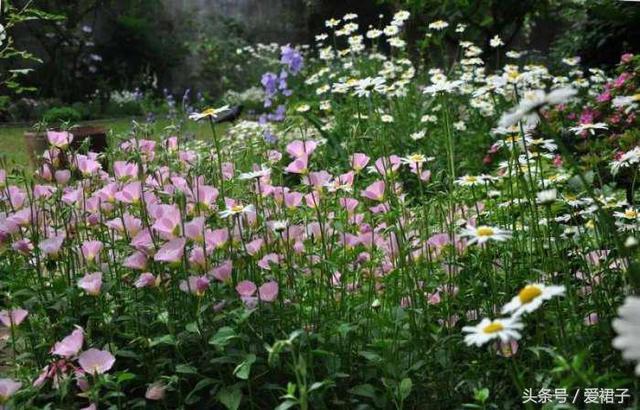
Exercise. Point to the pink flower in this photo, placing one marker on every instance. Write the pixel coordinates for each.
(385, 165)
(168, 221)
(124, 171)
(359, 161)
(137, 260)
(171, 251)
(312, 199)
(43, 191)
(375, 191)
(146, 280)
(88, 166)
(254, 246)
(223, 271)
(8, 388)
(268, 292)
(274, 156)
(59, 139)
(196, 285)
(91, 283)
(604, 97)
(13, 317)
(292, 200)
(51, 246)
(130, 193)
(94, 361)
(622, 78)
(557, 161)
(591, 319)
(299, 149)
(90, 250)
(298, 166)
(194, 229)
(155, 391)
(23, 246)
(507, 349)
(626, 58)
(70, 345)
(206, 196)
(227, 171)
(217, 238)
(268, 259)
(246, 288)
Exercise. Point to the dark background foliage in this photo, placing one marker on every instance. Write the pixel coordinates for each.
(100, 46)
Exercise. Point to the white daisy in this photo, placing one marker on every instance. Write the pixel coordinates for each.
(483, 233)
(262, 172)
(470, 180)
(505, 329)
(496, 41)
(547, 196)
(531, 297)
(236, 210)
(591, 128)
(438, 25)
(627, 325)
(534, 100)
(208, 113)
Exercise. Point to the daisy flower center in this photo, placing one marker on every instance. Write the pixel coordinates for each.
(417, 158)
(493, 327)
(485, 231)
(529, 293)
(470, 178)
(630, 213)
(237, 208)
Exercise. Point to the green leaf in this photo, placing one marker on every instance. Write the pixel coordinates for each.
(371, 356)
(199, 386)
(243, 369)
(286, 405)
(223, 336)
(230, 397)
(405, 388)
(364, 390)
(166, 340)
(186, 369)
(481, 395)
(124, 376)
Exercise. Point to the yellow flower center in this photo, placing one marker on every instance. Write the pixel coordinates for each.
(630, 213)
(484, 231)
(529, 293)
(493, 327)
(469, 178)
(636, 97)
(417, 158)
(208, 111)
(237, 208)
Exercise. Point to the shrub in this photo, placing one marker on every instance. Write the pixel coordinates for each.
(62, 114)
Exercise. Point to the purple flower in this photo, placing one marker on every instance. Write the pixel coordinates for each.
(292, 58)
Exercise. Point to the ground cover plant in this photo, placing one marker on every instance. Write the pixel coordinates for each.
(384, 236)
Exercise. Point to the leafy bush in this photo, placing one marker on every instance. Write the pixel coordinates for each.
(62, 114)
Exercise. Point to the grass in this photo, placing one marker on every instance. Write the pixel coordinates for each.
(13, 148)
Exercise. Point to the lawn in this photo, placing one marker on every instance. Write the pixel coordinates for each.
(13, 148)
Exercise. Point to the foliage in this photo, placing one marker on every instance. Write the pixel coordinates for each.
(62, 114)
(386, 235)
